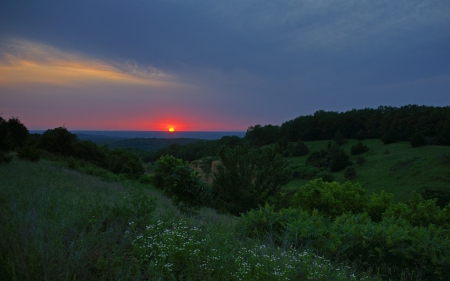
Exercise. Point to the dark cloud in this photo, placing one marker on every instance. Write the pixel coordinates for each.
(258, 59)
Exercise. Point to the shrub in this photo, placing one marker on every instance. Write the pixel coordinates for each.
(58, 140)
(325, 176)
(122, 161)
(187, 189)
(29, 151)
(378, 204)
(334, 158)
(359, 148)
(300, 149)
(339, 138)
(247, 177)
(391, 247)
(331, 199)
(350, 173)
(18, 132)
(441, 194)
(166, 165)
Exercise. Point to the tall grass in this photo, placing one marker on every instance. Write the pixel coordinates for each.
(59, 224)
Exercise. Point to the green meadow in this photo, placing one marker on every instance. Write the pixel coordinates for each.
(396, 168)
(60, 224)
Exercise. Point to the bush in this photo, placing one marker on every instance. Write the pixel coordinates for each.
(334, 158)
(166, 165)
(300, 149)
(331, 199)
(58, 140)
(391, 247)
(339, 138)
(29, 151)
(378, 204)
(359, 148)
(18, 132)
(122, 161)
(441, 194)
(247, 177)
(350, 173)
(325, 176)
(187, 189)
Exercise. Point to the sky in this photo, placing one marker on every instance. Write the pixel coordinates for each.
(209, 65)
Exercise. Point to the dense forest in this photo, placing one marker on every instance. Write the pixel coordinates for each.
(419, 125)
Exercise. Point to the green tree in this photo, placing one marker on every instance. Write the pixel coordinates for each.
(58, 140)
(300, 149)
(247, 177)
(6, 141)
(188, 191)
(166, 166)
(359, 148)
(18, 131)
(122, 161)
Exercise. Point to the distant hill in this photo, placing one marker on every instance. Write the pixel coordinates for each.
(152, 144)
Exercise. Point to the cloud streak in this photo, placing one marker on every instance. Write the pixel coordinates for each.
(26, 62)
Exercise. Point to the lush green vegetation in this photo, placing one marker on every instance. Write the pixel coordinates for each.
(59, 224)
(396, 168)
(390, 221)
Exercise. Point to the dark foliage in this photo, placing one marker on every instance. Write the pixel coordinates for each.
(196, 150)
(300, 149)
(5, 158)
(334, 158)
(12, 134)
(18, 132)
(418, 140)
(441, 194)
(391, 124)
(121, 161)
(350, 173)
(188, 191)
(247, 177)
(339, 138)
(58, 140)
(29, 151)
(359, 148)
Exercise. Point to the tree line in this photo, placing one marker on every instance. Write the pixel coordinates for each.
(390, 124)
(59, 142)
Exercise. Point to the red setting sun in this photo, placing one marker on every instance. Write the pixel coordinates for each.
(171, 129)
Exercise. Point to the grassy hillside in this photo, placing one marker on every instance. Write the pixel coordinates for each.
(395, 168)
(58, 224)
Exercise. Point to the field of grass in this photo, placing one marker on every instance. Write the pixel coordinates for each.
(59, 224)
(396, 168)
